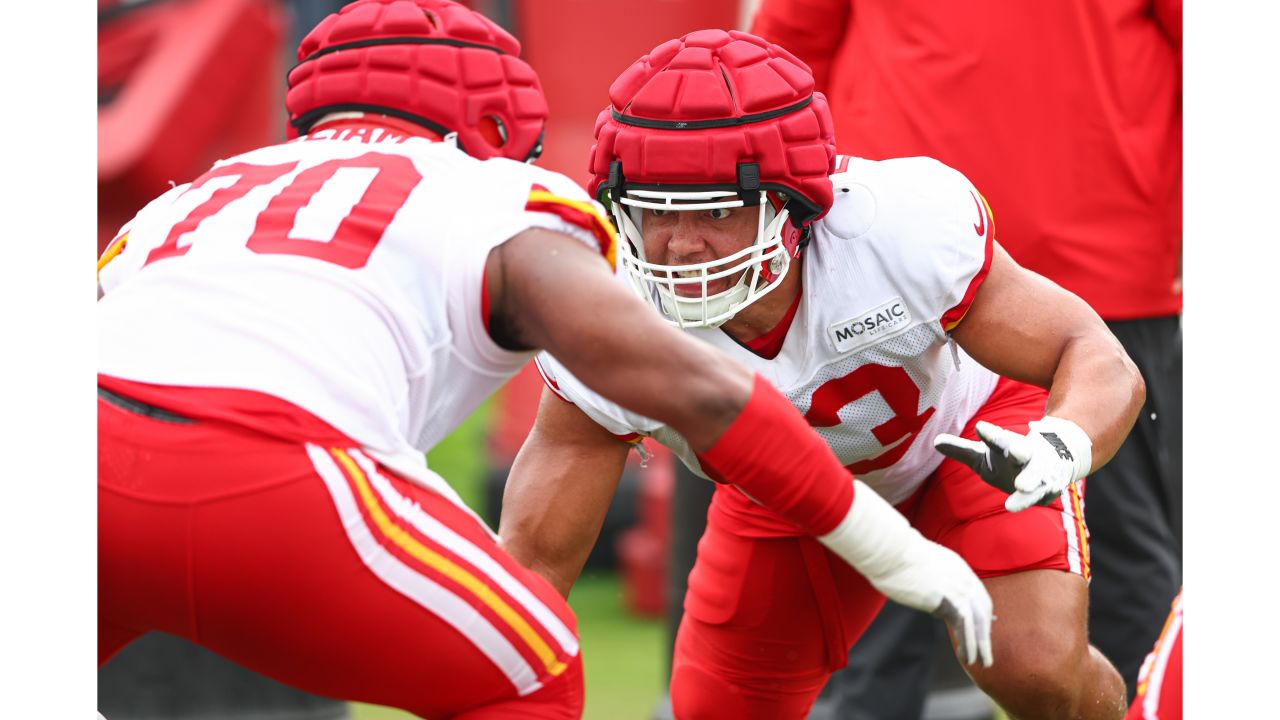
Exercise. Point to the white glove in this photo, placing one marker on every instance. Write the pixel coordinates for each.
(879, 543)
(1034, 468)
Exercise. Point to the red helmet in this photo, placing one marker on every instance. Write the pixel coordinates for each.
(715, 119)
(433, 62)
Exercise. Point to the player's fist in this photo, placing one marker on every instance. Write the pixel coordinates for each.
(1034, 468)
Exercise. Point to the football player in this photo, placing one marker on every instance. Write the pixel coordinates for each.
(282, 338)
(874, 295)
(1159, 692)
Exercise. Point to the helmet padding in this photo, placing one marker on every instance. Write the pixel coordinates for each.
(723, 109)
(433, 62)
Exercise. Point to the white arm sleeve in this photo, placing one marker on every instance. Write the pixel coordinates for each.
(607, 414)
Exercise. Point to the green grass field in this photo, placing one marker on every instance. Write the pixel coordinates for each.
(622, 654)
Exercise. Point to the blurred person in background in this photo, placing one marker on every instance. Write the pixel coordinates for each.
(281, 340)
(1069, 116)
(306, 14)
(875, 296)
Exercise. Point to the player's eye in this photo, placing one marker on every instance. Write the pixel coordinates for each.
(719, 213)
(658, 213)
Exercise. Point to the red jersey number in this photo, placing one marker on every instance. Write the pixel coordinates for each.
(247, 177)
(900, 394)
(369, 200)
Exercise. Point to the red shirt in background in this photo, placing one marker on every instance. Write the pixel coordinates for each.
(1067, 115)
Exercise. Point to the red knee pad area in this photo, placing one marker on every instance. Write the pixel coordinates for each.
(767, 619)
(560, 699)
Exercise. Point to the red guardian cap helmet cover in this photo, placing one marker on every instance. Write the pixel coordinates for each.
(709, 120)
(432, 62)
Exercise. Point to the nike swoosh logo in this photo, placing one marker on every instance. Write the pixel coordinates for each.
(979, 227)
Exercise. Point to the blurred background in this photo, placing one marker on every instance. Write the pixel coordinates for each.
(183, 83)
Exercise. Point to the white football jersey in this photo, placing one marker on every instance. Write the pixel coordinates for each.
(341, 274)
(890, 269)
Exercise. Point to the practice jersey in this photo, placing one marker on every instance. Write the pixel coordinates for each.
(890, 270)
(342, 274)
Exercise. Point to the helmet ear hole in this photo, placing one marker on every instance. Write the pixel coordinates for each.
(493, 130)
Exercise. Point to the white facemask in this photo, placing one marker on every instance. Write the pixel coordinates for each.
(657, 284)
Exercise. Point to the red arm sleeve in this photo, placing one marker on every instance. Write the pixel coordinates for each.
(774, 457)
(811, 29)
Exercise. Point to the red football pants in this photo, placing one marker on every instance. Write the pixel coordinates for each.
(319, 568)
(1159, 694)
(768, 618)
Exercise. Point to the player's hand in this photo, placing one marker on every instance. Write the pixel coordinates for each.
(879, 543)
(1034, 468)
(938, 581)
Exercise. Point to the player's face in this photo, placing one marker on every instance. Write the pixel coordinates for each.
(687, 237)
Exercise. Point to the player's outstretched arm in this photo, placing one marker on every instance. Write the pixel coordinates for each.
(547, 291)
(1025, 327)
(559, 490)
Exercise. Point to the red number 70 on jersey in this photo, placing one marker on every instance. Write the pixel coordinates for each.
(327, 192)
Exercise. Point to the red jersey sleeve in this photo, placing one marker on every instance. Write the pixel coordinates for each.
(811, 29)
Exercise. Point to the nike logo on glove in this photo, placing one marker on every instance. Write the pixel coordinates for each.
(1058, 445)
(1034, 468)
